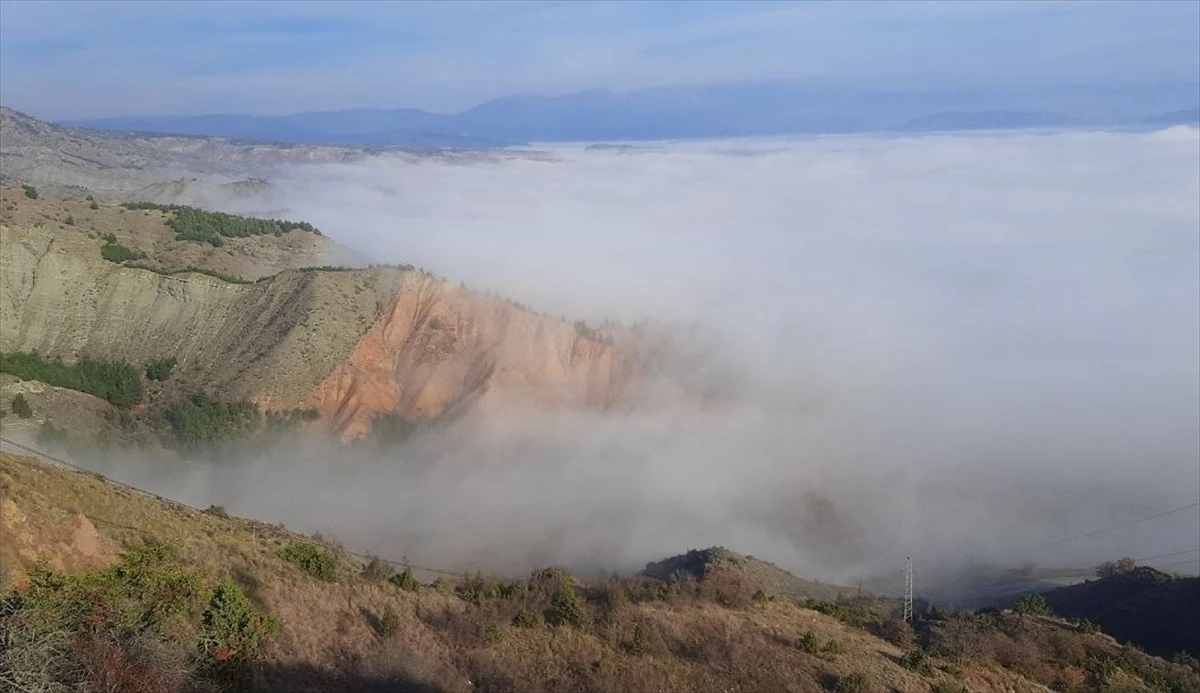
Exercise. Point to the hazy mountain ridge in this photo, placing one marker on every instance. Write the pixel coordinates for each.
(73, 160)
(1158, 611)
(698, 112)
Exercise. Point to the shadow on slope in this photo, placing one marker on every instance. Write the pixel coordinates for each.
(308, 678)
(1154, 610)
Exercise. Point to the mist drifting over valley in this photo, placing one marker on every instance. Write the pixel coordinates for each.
(952, 347)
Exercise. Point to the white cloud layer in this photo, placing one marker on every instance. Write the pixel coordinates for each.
(969, 345)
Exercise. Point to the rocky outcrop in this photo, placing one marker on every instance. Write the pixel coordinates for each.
(440, 348)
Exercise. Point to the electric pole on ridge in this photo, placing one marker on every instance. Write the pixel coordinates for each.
(908, 590)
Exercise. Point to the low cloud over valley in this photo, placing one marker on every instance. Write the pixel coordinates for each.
(955, 347)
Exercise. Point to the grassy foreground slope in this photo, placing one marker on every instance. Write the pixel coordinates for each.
(329, 622)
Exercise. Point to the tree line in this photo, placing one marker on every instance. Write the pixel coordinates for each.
(203, 226)
(119, 383)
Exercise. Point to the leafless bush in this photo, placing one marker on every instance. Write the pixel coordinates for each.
(34, 658)
(140, 666)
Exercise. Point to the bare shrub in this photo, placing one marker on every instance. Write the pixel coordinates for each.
(139, 666)
(376, 570)
(958, 637)
(853, 683)
(33, 657)
(896, 631)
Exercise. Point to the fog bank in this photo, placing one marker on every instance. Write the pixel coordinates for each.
(951, 347)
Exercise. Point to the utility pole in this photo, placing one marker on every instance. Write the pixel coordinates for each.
(908, 590)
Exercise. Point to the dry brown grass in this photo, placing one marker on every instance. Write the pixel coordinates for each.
(636, 638)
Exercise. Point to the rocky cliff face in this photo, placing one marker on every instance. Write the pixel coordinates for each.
(351, 343)
(439, 348)
(270, 341)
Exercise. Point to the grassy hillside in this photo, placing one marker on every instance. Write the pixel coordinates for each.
(315, 618)
(154, 236)
(158, 298)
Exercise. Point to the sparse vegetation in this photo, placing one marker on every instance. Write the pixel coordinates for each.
(1049, 651)
(49, 434)
(312, 559)
(184, 270)
(376, 570)
(405, 580)
(528, 618)
(809, 643)
(918, 661)
(20, 406)
(392, 429)
(389, 621)
(192, 224)
(30, 191)
(119, 383)
(115, 252)
(402, 267)
(570, 609)
(1032, 604)
(121, 419)
(161, 369)
(146, 624)
(1087, 627)
(853, 683)
(326, 268)
(280, 420)
(1117, 567)
(588, 332)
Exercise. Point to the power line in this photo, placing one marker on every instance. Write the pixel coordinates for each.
(1033, 579)
(1187, 562)
(1114, 527)
(1165, 555)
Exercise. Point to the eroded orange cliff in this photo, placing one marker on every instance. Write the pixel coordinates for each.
(441, 348)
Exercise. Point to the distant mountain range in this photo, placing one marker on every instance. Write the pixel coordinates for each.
(701, 112)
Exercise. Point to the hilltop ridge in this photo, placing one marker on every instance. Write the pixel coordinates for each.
(73, 160)
(255, 318)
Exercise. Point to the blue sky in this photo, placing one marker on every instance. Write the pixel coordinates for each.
(95, 59)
